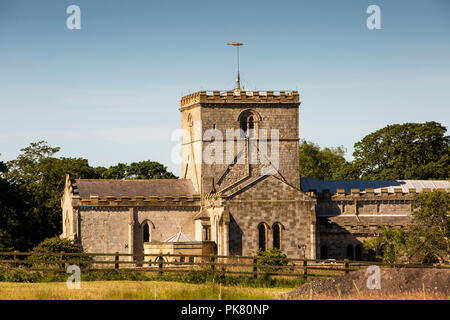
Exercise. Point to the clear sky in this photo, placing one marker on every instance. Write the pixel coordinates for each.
(110, 91)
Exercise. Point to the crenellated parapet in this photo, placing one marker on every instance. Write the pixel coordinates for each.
(384, 201)
(138, 200)
(371, 194)
(240, 96)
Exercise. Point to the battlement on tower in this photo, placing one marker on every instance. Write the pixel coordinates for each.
(240, 96)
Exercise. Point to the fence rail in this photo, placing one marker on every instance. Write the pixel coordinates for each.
(232, 265)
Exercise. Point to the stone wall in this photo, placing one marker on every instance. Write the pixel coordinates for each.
(346, 221)
(222, 113)
(271, 201)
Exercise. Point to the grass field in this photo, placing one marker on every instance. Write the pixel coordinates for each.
(163, 290)
(133, 290)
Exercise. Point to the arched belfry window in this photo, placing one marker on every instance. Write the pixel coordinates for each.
(248, 123)
(276, 230)
(262, 236)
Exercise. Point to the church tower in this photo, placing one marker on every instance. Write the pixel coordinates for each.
(231, 136)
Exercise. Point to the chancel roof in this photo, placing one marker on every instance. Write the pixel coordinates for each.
(158, 187)
(309, 184)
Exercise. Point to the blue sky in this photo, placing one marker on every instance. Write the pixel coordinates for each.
(110, 92)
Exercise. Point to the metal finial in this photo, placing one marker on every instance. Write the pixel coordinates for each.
(238, 78)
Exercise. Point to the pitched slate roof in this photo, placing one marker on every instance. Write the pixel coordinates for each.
(158, 187)
(309, 184)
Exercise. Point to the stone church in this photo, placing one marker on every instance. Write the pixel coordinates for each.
(255, 199)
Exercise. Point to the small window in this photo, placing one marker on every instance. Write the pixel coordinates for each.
(277, 236)
(262, 235)
(146, 233)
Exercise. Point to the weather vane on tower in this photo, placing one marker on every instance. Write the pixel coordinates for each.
(237, 45)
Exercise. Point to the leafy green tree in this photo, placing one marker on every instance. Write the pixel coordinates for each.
(45, 251)
(404, 151)
(12, 206)
(31, 187)
(429, 230)
(324, 164)
(137, 170)
(271, 257)
(390, 243)
(39, 177)
(427, 237)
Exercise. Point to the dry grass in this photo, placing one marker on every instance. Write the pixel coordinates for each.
(145, 290)
(132, 290)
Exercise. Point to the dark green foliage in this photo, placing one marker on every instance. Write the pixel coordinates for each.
(429, 231)
(327, 163)
(31, 187)
(58, 246)
(427, 238)
(404, 151)
(271, 257)
(38, 180)
(137, 170)
(390, 243)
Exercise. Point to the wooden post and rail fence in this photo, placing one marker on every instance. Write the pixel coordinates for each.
(252, 266)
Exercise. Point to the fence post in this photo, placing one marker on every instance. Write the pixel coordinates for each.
(255, 268)
(347, 266)
(116, 259)
(160, 264)
(15, 264)
(305, 269)
(212, 259)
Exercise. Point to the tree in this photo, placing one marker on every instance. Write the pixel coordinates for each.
(31, 187)
(390, 243)
(327, 163)
(38, 179)
(12, 206)
(137, 170)
(427, 237)
(404, 151)
(48, 247)
(429, 230)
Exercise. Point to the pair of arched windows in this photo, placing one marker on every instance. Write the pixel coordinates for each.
(248, 122)
(263, 233)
